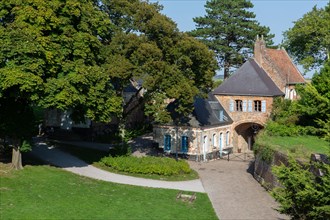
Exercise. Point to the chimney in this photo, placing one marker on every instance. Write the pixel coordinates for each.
(259, 49)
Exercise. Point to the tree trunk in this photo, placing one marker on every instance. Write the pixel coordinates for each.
(226, 71)
(16, 161)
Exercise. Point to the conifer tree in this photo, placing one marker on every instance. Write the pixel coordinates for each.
(229, 29)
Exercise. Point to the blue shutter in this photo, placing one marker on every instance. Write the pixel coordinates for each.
(167, 142)
(221, 115)
(231, 105)
(263, 106)
(184, 144)
(244, 105)
(249, 105)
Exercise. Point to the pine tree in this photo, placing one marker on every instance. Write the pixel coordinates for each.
(229, 29)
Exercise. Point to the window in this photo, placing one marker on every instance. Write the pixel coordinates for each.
(239, 106)
(221, 115)
(257, 106)
(184, 144)
(220, 141)
(167, 142)
(214, 140)
(227, 138)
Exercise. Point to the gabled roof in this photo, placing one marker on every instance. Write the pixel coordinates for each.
(207, 112)
(249, 80)
(287, 69)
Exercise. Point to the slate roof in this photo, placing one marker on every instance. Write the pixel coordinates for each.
(205, 113)
(285, 66)
(249, 80)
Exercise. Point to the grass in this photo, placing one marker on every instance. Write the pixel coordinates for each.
(44, 192)
(300, 147)
(92, 156)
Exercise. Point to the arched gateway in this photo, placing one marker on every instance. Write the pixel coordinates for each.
(244, 136)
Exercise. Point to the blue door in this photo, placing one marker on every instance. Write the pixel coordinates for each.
(184, 144)
(167, 142)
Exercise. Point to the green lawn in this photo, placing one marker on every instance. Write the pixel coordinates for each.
(301, 146)
(43, 192)
(92, 156)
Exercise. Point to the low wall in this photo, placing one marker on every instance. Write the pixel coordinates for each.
(263, 170)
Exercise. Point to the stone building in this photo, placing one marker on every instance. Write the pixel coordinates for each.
(237, 109)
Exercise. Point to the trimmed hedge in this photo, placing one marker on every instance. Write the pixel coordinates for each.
(147, 165)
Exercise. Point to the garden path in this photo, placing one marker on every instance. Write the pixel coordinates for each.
(56, 157)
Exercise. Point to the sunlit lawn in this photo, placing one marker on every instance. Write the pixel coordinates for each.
(301, 146)
(44, 192)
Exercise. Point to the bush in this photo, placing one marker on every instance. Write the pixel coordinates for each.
(277, 129)
(121, 150)
(303, 195)
(147, 165)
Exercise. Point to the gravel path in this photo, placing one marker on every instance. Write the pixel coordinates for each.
(56, 157)
(233, 191)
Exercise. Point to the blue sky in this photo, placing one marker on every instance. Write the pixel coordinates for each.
(278, 15)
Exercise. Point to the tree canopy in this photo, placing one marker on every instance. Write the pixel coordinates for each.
(229, 29)
(148, 47)
(80, 55)
(309, 39)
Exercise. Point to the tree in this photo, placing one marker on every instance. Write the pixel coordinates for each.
(314, 104)
(229, 29)
(303, 195)
(147, 46)
(49, 56)
(80, 55)
(309, 39)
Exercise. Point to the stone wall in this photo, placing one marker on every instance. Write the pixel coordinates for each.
(263, 170)
(197, 148)
(241, 117)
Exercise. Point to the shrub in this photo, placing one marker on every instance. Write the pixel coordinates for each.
(277, 129)
(121, 150)
(303, 195)
(147, 165)
(266, 153)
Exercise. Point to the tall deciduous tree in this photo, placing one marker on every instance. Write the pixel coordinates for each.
(49, 56)
(309, 39)
(150, 48)
(229, 29)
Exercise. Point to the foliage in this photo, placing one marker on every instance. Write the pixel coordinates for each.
(229, 29)
(147, 47)
(309, 39)
(44, 192)
(278, 129)
(265, 152)
(314, 104)
(120, 150)
(148, 165)
(303, 195)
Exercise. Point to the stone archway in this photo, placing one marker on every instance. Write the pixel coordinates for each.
(244, 136)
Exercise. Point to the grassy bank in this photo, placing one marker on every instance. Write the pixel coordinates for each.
(300, 146)
(43, 192)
